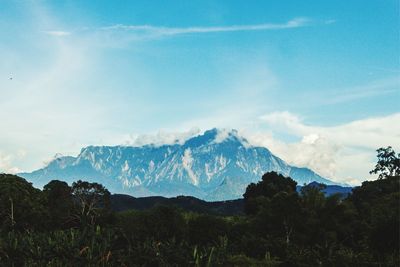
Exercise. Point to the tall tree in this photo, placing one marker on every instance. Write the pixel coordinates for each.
(92, 201)
(377, 203)
(59, 203)
(388, 163)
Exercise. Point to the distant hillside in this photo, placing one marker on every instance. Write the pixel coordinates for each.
(331, 189)
(217, 165)
(120, 202)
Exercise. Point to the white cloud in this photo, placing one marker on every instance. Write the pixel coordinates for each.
(222, 135)
(6, 165)
(162, 138)
(367, 133)
(345, 153)
(313, 151)
(225, 133)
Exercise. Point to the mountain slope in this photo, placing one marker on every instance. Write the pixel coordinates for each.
(216, 165)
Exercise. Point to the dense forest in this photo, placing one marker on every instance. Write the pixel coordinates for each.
(76, 225)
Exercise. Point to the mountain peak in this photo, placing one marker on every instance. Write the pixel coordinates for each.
(216, 136)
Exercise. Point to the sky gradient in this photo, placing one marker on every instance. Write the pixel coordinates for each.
(317, 82)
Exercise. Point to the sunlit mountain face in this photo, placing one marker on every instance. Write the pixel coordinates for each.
(205, 166)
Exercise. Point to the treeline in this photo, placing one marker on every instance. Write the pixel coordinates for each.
(188, 203)
(64, 225)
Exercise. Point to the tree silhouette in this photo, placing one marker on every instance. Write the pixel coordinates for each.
(271, 184)
(21, 205)
(388, 163)
(59, 201)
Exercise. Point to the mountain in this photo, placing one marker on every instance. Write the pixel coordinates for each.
(216, 165)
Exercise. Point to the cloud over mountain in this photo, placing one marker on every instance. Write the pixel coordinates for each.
(340, 152)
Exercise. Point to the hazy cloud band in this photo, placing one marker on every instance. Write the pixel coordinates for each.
(159, 30)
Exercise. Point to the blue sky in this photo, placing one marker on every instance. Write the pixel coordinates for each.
(317, 82)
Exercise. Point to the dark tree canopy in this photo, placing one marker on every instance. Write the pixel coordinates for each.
(58, 196)
(21, 206)
(312, 195)
(271, 184)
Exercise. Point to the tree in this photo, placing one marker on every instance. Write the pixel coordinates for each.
(271, 184)
(206, 229)
(92, 201)
(165, 223)
(21, 205)
(286, 214)
(59, 203)
(377, 203)
(312, 196)
(388, 163)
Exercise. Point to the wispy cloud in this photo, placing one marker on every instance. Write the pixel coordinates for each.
(58, 33)
(168, 31)
(330, 21)
(381, 87)
(331, 96)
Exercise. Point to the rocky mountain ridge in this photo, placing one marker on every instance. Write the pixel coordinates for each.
(212, 166)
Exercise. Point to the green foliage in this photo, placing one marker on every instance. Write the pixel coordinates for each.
(377, 203)
(271, 184)
(312, 196)
(206, 229)
(74, 226)
(161, 223)
(211, 255)
(91, 202)
(244, 261)
(21, 205)
(59, 202)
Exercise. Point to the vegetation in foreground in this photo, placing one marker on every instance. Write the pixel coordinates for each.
(75, 226)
